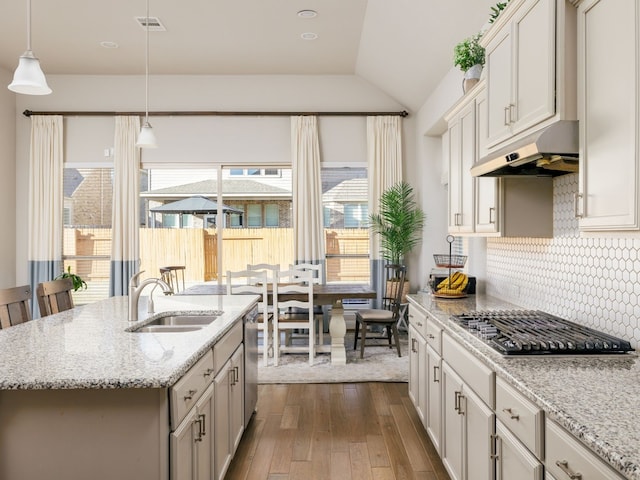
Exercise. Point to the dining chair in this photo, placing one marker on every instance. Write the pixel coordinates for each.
(293, 303)
(54, 296)
(174, 277)
(256, 282)
(387, 315)
(317, 273)
(14, 306)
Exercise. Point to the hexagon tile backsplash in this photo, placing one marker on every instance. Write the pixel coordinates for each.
(591, 281)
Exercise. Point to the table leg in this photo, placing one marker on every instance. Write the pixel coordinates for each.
(337, 330)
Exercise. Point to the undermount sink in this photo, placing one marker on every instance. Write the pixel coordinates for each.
(168, 328)
(183, 320)
(173, 323)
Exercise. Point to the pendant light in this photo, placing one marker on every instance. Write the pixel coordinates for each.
(28, 77)
(147, 138)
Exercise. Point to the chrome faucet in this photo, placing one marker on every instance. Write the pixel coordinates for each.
(135, 289)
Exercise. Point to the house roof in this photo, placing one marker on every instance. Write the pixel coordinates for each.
(230, 187)
(196, 205)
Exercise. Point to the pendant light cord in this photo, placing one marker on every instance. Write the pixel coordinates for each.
(146, 71)
(28, 25)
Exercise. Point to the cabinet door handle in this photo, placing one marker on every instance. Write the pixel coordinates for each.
(457, 219)
(190, 394)
(492, 218)
(461, 398)
(577, 211)
(512, 106)
(435, 371)
(202, 419)
(514, 416)
(236, 375)
(495, 441)
(456, 400)
(199, 422)
(506, 120)
(564, 466)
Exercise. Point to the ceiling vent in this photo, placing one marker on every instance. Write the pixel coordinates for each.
(154, 24)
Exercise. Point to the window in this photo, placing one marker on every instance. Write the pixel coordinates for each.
(86, 248)
(345, 209)
(254, 215)
(236, 172)
(271, 215)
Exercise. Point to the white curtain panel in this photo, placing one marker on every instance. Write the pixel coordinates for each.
(384, 162)
(46, 164)
(125, 249)
(308, 220)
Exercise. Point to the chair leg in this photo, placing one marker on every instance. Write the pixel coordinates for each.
(388, 328)
(395, 334)
(355, 337)
(363, 336)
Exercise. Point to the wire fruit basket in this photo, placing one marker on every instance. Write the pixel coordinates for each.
(449, 260)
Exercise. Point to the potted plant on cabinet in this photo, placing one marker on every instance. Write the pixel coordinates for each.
(469, 55)
(399, 222)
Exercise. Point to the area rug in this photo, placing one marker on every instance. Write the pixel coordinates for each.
(380, 364)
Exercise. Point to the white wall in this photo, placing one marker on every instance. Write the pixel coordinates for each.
(7, 183)
(169, 93)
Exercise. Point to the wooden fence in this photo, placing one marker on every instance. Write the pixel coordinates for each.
(196, 249)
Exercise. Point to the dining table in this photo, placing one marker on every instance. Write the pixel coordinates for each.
(329, 294)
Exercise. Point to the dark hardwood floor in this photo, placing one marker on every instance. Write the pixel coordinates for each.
(335, 431)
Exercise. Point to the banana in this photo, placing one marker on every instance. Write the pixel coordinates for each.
(453, 285)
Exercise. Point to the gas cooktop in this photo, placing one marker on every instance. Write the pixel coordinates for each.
(532, 332)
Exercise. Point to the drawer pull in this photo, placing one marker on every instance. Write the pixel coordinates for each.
(564, 466)
(430, 336)
(419, 324)
(190, 394)
(208, 372)
(514, 416)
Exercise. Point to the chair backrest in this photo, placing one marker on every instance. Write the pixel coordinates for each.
(294, 291)
(316, 270)
(396, 276)
(54, 296)
(245, 282)
(170, 276)
(270, 268)
(14, 306)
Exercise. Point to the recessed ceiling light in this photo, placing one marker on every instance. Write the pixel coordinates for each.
(309, 36)
(307, 13)
(107, 44)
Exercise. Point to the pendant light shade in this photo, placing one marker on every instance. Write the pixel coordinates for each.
(146, 138)
(28, 78)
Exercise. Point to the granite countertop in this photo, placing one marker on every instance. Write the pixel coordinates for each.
(90, 347)
(595, 398)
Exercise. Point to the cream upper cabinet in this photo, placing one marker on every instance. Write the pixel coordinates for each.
(530, 54)
(462, 154)
(487, 193)
(608, 100)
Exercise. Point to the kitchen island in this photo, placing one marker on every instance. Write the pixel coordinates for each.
(594, 398)
(82, 396)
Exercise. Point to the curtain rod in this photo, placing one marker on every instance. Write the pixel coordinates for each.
(29, 113)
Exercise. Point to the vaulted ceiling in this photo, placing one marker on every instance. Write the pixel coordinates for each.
(403, 47)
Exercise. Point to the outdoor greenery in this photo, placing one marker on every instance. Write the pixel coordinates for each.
(399, 222)
(78, 282)
(468, 53)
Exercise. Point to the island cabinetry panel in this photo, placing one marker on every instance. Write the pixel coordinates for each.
(417, 371)
(513, 460)
(78, 434)
(608, 198)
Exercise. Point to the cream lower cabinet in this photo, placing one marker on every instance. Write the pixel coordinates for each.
(417, 371)
(513, 460)
(433, 414)
(469, 428)
(609, 175)
(191, 442)
(228, 410)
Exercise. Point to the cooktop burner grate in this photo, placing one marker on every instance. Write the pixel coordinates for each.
(532, 332)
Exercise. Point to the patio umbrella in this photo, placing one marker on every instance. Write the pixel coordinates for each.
(196, 205)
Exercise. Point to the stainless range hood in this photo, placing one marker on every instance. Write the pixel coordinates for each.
(549, 152)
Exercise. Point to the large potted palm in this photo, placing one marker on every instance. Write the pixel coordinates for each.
(399, 222)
